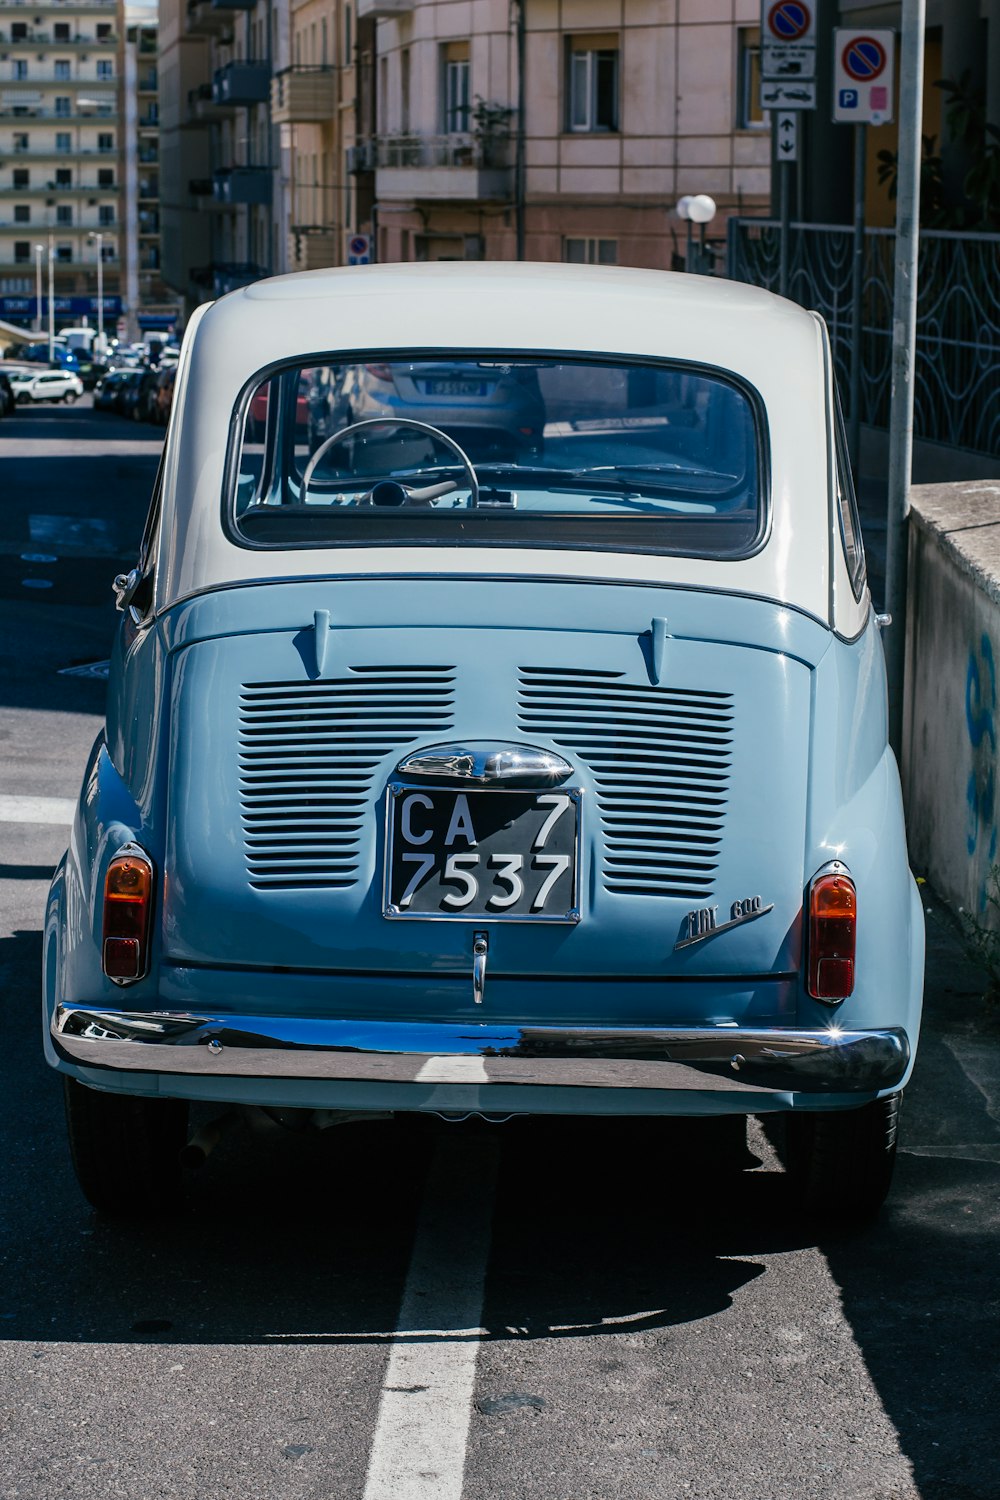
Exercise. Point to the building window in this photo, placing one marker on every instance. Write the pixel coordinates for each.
(456, 88)
(590, 252)
(22, 177)
(106, 177)
(103, 31)
(105, 142)
(20, 140)
(22, 250)
(64, 141)
(106, 213)
(22, 213)
(64, 213)
(64, 252)
(749, 114)
(62, 68)
(108, 252)
(19, 31)
(64, 106)
(64, 177)
(19, 68)
(61, 31)
(348, 38)
(105, 68)
(592, 83)
(404, 90)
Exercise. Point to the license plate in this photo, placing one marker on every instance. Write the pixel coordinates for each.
(455, 388)
(477, 855)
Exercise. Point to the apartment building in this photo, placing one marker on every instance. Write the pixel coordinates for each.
(580, 153)
(60, 165)
(258, 120)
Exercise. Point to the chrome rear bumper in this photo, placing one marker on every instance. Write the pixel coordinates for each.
(719, 1058)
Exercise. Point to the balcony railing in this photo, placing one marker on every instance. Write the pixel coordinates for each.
(242, 83)
(384, 8)
(35, 39)
(462, 167)
(303, 95)
(36, 112)
(242, 185)
(59, 189)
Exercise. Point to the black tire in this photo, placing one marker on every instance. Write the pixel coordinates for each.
(69, 397)
(840, 1163)
(21, 398)
(125, 1149)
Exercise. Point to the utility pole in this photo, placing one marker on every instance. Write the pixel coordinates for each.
(904, 324)
(519, 138)
(39, 252)
(857, 296)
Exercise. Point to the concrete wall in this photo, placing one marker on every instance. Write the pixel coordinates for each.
(952, 705)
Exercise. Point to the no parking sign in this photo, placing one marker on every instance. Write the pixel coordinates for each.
(863, 64)
(359, 249)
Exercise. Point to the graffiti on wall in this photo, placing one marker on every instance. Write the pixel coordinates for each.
(980, 711)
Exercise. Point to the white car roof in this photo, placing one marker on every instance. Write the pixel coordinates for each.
(771, 343)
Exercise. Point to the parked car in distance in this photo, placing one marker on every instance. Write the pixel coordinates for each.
(139, 397)
(109, 389)
(161, 399)
(49, 385)
(450, 776)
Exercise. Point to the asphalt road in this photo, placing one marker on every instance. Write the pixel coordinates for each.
(447, 1312)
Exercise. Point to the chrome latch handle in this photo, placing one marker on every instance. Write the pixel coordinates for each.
(480, 948)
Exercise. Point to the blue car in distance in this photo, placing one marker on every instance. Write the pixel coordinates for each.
(449, 772)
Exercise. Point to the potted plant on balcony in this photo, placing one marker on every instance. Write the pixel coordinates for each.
(491, 127)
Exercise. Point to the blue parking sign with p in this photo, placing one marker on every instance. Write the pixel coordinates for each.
(848, 98)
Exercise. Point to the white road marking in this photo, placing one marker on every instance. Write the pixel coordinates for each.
(418, 1452)
(453, 1070)
(36, 809)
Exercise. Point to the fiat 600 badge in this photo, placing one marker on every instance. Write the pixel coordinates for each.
(496, 725)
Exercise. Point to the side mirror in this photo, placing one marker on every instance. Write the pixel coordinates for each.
(126, 588)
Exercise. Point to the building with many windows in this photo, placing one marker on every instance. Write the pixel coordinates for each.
(60, 166)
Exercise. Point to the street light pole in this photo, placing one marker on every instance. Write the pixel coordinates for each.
(100, 294)
(904, 326)
(52, 305)
(39, 251)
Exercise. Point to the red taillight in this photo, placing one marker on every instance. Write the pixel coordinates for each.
(833, 922)
(128, 896)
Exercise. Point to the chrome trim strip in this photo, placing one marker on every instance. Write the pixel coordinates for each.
(487, 764)
(729, 1059)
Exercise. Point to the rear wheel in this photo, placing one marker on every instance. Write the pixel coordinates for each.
(69, 397)
(125, 1149)
(840, 1163)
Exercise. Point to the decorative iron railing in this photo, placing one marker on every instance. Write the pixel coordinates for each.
(957, 374)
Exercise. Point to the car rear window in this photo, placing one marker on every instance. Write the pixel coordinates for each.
(500, 449)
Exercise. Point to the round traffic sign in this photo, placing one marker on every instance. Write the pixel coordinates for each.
(789, 20)
(864, 58)
(358, 244)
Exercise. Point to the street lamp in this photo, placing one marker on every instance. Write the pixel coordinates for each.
(52, 304)
(39, 252)
(697, 208)
(99, 238)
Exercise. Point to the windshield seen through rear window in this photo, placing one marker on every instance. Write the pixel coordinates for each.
(499, 449)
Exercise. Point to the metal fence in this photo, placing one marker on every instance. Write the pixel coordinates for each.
(957, 376)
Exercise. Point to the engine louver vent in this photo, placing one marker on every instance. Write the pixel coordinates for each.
(308, 753)
(660, 758)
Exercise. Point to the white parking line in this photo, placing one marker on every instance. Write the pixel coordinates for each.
(453, 1070)
(418, 1452)
(36, 809)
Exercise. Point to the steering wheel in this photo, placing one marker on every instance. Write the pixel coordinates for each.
(390, 491)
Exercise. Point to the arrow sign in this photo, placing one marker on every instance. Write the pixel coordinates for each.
(788, 137)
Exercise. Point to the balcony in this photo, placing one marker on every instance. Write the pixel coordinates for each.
(383, 9)
(221, 277)
(59, 190)
(35, 39)
(361, 157)
(443, 167)
(242, 83)
(206, 19)
(241, 185)
(303, 96)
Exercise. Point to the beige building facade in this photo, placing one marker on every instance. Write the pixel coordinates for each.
(627, 105)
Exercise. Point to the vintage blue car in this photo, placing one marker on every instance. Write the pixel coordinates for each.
(452, 774)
